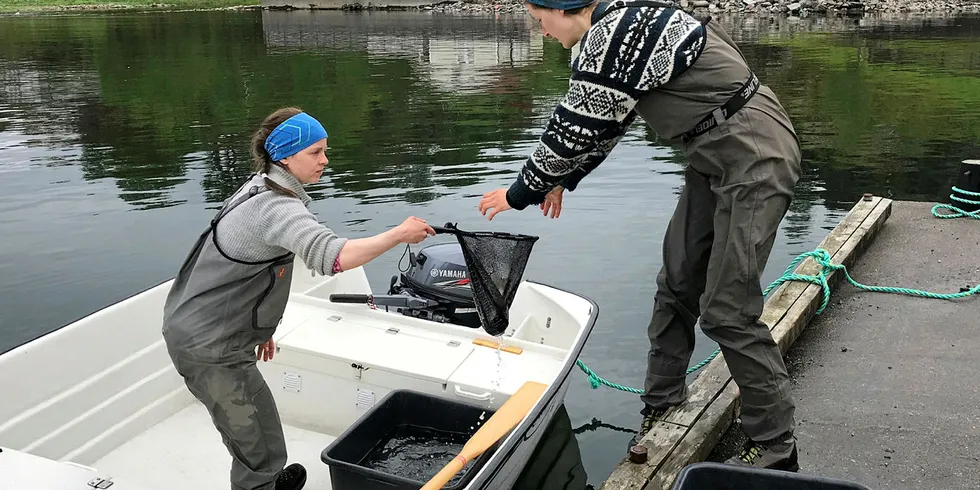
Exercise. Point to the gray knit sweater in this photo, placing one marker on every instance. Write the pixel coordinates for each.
(269, 224)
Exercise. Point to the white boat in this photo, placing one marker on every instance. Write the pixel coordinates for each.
(97, 403)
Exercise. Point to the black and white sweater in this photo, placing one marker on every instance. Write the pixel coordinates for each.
(623, 55)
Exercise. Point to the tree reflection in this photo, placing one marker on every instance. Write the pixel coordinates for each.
(420, 105)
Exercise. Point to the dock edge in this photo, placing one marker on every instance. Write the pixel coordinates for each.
(690, 432)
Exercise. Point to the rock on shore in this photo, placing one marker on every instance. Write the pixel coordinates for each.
(779, 8)
(788, 7)
(847, 7)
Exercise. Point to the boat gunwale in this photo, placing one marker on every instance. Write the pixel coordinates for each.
(510, 444)
(519, 435)
(104, 307)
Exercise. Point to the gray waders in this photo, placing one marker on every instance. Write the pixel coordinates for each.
(218, 311)
(744, 163)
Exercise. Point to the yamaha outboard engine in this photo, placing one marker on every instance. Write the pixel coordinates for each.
(437, 284)
(438, 273)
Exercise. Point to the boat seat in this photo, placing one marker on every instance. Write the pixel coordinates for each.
(335, 343)
(25, 471)
(330, 368)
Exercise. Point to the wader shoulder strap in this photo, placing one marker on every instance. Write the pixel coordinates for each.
(252, 192)
(719, 115)
(232, 204)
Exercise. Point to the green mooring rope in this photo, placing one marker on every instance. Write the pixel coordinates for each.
(823, 258)
(595, 380)
(956, 212)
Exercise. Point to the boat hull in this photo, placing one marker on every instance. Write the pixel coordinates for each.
(96, 388)
(518, 448)
(511, 468)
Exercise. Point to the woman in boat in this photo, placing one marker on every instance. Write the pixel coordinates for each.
(689, 82)
(231, 291)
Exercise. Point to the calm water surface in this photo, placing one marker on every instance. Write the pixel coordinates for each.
(120, 134)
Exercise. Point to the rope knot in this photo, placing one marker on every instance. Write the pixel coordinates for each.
(822, 257)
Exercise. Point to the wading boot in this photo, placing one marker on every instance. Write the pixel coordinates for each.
(292, 477)
(650, 417)
(777, 454)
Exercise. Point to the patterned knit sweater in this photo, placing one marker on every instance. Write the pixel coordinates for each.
(625, 54)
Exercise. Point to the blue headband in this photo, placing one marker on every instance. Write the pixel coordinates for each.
(561, 4)
(293, 135)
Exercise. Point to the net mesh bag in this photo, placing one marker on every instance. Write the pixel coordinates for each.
(496, 262)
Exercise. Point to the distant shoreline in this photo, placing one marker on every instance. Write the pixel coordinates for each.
(855, 8)
(8, 7)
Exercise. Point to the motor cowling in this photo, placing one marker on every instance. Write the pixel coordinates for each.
(438, 272)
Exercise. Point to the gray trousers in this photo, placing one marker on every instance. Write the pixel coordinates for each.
(738, 187)
(245, 414)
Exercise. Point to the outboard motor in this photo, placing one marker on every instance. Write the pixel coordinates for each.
(438, 274)
(437, 285)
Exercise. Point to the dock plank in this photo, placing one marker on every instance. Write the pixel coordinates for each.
(696, 427)
(633, 476)
(702, 438)
(786, 332)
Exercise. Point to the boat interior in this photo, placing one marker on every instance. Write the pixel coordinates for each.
(100, 399)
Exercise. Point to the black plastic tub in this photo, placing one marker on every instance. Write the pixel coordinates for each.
(366, 455)
(718, 476)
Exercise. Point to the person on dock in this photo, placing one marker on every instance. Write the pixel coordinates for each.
(231, 291)
(688, 80)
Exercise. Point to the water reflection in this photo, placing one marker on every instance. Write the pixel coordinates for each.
(421, 104)
(887, 105)
(557, 461)
(416, 105)
(457, 54)
(119, 133)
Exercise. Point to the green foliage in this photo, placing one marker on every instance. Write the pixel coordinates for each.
(155, 97)
(876, 113)
(172, 85)
(54, 5)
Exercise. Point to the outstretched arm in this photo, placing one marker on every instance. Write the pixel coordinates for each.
(630, 51)
(584, 128)
(598, 155)
(359, 251)
(294, 228)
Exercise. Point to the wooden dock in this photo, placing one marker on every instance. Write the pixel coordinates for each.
(690, 432)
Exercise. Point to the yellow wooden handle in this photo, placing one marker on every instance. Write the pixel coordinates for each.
(497, 426)
(493, 345)
(447, 473)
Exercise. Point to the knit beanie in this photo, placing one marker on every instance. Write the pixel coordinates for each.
(561, 4)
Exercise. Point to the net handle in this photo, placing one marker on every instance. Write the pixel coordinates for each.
(451, 229)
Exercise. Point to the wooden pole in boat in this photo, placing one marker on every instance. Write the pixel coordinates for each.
(500, 423)
(969, 181)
